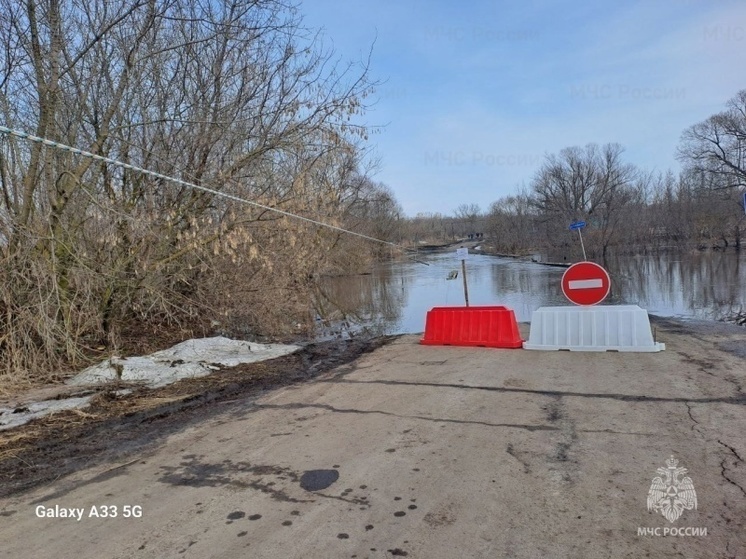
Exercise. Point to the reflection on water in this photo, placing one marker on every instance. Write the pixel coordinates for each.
(396, 297)
(699, 285)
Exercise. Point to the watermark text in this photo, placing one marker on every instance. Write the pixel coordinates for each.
(458, 158)
(672, 531)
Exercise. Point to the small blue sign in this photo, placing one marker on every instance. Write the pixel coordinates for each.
(744, 202)
(577, 225)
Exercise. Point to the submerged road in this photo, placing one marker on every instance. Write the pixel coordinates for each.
(431, 452)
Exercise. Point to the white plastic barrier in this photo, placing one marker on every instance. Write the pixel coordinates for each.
(596, 328)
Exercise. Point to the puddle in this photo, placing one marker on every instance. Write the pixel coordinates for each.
(316, 480)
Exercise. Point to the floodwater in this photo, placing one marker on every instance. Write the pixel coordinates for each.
(395, 298)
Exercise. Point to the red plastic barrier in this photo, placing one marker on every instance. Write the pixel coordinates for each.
(472, 326)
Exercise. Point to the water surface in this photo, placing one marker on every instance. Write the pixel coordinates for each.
(395, 298)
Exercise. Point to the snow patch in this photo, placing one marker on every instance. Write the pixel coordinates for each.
(10, 417)
(189, 359)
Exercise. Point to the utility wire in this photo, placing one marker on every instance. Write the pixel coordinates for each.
(76, 151)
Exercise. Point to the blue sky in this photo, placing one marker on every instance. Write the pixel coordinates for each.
(474, 96)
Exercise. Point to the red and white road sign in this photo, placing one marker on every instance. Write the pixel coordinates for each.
(586, 283)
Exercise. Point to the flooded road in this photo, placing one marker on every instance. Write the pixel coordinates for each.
(435, 452)
(395, 298)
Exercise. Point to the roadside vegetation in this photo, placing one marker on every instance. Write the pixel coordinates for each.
(236, 96)
(240, 98)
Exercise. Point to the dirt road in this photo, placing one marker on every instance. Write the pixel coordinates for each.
(429, 452)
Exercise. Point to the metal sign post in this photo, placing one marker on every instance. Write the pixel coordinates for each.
(578, 225)
(463, 254)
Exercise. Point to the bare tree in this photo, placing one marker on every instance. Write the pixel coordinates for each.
(717, 145)
(468, 219)
(512, 224)
(591, 183)
(233, 95)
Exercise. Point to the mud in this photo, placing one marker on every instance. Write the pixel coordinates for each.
(116, 426)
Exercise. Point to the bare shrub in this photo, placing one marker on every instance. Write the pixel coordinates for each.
(233, 96)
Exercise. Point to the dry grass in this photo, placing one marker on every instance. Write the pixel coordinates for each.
(13, 442)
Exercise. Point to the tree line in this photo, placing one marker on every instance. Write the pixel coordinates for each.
(625, 207)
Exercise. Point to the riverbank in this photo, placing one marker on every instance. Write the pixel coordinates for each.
(411, 450)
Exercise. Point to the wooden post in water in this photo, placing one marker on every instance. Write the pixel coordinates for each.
(466, 289)
(463, 254)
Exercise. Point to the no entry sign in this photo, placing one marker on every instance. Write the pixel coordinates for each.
(586, 283)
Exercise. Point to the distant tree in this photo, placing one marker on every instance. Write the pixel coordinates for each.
(590, 183)
(715, 215)
(468, 217)
(717, 145)
(376, 213)
(511, 223)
